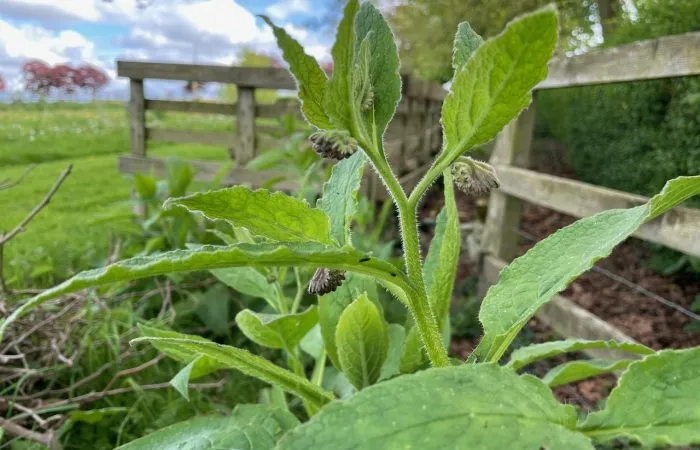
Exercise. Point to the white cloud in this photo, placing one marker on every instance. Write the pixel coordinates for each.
(284, 8)
(51, 10)
(202, 31)
(18, 44)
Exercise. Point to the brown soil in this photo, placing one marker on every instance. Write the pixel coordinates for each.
(639, 316)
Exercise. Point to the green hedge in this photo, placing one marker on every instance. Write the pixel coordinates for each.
(633, 136)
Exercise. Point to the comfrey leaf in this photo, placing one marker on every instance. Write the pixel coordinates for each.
(311, 80)
(655, 402)
(362, 338)
(376, 50)
(276, 216)
(466, 43)
(464, 407)
(495, 83)
(210, 257)
(340, 196)
(531, 280)
(339, 99)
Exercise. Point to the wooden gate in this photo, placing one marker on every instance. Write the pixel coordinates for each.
(411, 140)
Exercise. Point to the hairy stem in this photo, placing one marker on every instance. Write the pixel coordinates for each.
(438, 166)
(418, 303)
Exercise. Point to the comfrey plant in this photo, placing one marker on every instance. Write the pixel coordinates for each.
(453, 404)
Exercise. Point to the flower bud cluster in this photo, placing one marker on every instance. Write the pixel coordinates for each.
(474, 177)
(334, 144)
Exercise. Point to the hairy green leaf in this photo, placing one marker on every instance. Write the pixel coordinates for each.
(414, 356)
(254, 427)
(468, 406)
(383, 69)
(656, 402)
(496, 81)
(362, 338)
(283, 331)
(440, 265)
(210, 257)
(312, 343)
(527, 355)
(533, 279)
(145, 186)
(246, 280)
(202, 366)
(391, 366)
(311, 79)
(574, 371)
(332, 305)
(181, 380)
(276, 216)
(339, 96)
(340, 196)
(245, 362)
(466, 43)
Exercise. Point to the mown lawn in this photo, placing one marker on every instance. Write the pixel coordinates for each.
(76, 229)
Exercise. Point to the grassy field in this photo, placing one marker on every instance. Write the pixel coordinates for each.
(75, 230)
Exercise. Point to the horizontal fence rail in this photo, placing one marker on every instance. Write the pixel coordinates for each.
(666, 57)
(261, 78)
(413, 137)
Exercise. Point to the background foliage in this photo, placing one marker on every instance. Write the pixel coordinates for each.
(631, 136)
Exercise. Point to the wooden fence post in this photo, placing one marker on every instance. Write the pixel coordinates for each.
(245, 151)
(137, 115)
(503, 218)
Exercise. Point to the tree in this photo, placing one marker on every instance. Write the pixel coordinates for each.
(2, 84)
(37, 77)
(425, 28)
(90, 78)
(40, 78)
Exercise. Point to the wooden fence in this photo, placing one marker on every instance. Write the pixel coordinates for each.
(667, 57)
(411, 140)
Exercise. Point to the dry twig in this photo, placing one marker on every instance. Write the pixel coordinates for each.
(6, 184)
(6, 237)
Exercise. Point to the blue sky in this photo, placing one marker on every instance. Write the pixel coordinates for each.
(100, 31)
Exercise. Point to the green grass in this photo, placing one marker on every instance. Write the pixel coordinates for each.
(76, 229)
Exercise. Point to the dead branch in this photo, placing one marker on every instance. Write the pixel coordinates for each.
(7, 184)
(47, 439)
(4, 238)
(3, 284)
(52, 318)
(134, 370)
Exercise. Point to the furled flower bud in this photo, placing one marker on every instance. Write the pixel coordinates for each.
(474, 177)
(335, 144)
(325, 281)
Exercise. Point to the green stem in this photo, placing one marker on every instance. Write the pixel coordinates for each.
(300, 291)
(294, 362)
(439, 165)
(418, 304)
(282, 306)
